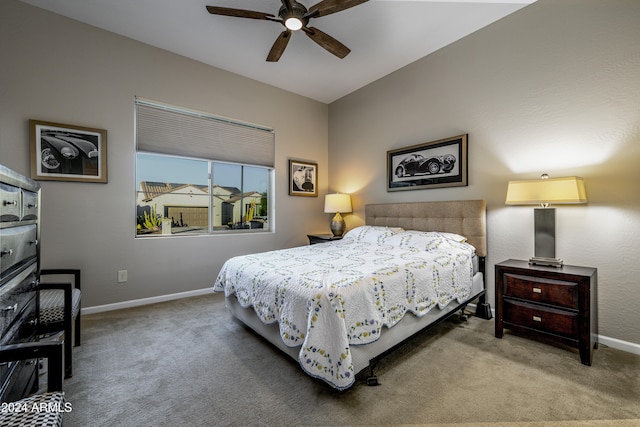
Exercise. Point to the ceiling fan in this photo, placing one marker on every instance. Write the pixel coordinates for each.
(295, 16)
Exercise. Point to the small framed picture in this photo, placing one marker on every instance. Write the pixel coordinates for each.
(303, 178)
(435, 164)
(62, 152)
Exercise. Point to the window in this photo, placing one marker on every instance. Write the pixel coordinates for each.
(185, 181)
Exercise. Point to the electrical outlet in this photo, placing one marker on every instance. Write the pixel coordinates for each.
(122, 276)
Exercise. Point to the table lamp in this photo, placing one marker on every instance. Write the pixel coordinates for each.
(337, 203)
(543, 192)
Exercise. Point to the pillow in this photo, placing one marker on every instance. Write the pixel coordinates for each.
(424, 240)
(371, 233)
(420, 240)
(452, 236)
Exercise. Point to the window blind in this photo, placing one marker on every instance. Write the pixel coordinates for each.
(180, 132)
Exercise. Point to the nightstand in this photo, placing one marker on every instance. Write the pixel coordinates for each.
(558, 304)
(322, 238)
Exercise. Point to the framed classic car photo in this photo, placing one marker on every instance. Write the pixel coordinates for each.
(67, 153)
(303, 178)
(436, 164)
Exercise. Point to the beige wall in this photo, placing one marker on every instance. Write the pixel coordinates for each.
(56, 69)
(554, 88)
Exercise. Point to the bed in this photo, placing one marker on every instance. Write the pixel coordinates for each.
(338, 307)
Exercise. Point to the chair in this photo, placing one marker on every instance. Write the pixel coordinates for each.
(60, 309)
(21, 413)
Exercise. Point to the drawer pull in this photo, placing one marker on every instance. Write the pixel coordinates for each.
(6, 252)
(32, 205)
(537, 290)
(13, 203)
(537, 319)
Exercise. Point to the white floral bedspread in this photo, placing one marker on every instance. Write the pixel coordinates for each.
(329, 296)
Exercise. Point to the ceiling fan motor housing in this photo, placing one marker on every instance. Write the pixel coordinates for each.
(297, 11)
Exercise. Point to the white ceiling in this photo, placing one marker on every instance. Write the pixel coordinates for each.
(383, 35)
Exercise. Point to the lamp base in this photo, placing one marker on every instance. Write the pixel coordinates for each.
(337, 225)
(545, 238)
(548, 262)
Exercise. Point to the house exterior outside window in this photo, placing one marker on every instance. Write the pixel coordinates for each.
(200, 174)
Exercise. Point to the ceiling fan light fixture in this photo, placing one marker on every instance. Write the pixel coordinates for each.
(292, 14)
(293, 23)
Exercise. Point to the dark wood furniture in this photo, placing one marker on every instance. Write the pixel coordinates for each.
(552, 303)
(322, 238)
(19, 267)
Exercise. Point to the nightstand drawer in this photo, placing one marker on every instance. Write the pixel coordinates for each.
(559, 304)
(547, 291)
(541, 318)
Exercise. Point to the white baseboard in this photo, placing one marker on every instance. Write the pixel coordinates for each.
(145, 301)
(629, 347)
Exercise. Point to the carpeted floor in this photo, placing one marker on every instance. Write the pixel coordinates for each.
(187, 363)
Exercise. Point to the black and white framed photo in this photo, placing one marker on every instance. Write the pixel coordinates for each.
(303, 178)
(435, 164)
(62, 152)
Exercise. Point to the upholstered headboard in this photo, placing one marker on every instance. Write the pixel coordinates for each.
(464, 217)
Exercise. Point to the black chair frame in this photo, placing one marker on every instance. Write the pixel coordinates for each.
(51, 348)
(69, 325)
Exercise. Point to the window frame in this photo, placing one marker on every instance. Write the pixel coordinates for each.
(179, 133)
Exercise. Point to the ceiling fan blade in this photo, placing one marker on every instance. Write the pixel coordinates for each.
(241, 13)
(327, 7)
(278, 47)
(327, 42)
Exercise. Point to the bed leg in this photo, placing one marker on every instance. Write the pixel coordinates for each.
(463, 316)
(483, 309)
(372, 379)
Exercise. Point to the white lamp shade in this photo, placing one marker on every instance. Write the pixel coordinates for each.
(337, 203)
(567, 190)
